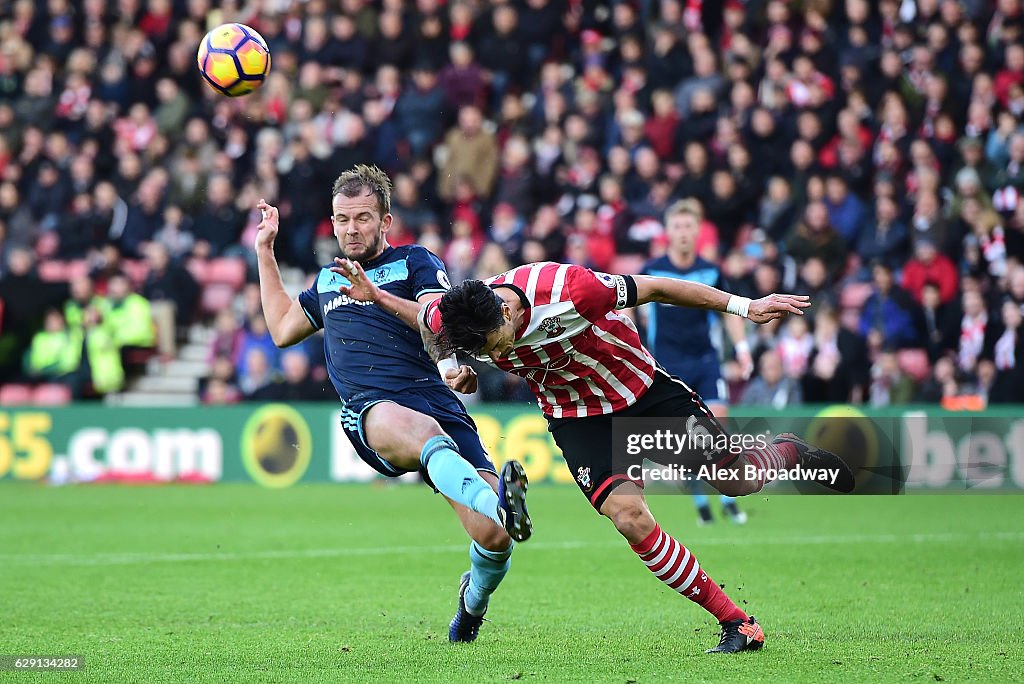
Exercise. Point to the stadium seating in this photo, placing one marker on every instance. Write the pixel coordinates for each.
(54, 271)
(12, 394)
(51, 394)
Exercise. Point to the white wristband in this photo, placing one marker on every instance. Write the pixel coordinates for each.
(738, 305)
(742, 347)
(445, 365)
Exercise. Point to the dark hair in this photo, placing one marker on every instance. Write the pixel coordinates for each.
(469, 312)
(351, 183)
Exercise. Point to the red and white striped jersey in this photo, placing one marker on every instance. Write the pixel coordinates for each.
(579, 356)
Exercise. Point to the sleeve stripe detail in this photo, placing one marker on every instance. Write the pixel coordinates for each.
(314, 323)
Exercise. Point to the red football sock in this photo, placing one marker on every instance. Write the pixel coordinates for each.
(774, 456)
(673, 564)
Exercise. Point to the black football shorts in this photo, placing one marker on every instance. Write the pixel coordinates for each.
(586, 443)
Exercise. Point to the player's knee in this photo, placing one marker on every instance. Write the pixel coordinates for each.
(633, 520)
(493, 538)
(425, 428)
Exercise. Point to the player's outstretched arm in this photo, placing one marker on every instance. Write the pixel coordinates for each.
(286, 320)
(700, 296)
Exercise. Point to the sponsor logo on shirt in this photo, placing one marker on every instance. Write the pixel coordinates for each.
(342, 300)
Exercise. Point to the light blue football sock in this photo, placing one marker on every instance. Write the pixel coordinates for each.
(486, 573)
(726, 500)
(700, 500)
(456, 478)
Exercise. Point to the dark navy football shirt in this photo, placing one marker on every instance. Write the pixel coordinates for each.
(678, 335)
(366, 347)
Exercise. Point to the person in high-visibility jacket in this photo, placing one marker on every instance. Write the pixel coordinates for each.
(127, 314)
(53, 354)
(103, 354)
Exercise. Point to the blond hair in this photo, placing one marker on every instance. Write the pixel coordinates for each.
(352, 182)
(690, 206)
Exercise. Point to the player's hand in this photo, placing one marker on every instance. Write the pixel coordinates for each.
(462, 380)
(266, 231)
(362, 289)
(777, 306)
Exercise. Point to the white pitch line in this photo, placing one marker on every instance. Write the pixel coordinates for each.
(100, 559)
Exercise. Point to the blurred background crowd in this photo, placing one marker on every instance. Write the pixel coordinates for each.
(870, 154)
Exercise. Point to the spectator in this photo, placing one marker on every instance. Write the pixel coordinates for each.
(941, 325)
(814, 282)
(973, 326)
(1004, 348)
(845, 211)
(472, 155)
(25, 298)
(837, 367)
(889, 384)
(220, 393)
(928, 223)
(220, 224)
(795, 346)
(885, 239)
(889, 318)
(172, 293)
(815, 236)
(941, 384)
(256, 379)
(53, 355)
(97, 344)
(295, 383)
(417, 110)
(501, 50)
(255, 336)
(928, 265)
(128, 315)
(175, 235)
(463, 80)
(772, 387)
(777, 213)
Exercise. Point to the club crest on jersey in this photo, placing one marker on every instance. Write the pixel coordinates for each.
(552, 326)
(583, 477)
(381, 274)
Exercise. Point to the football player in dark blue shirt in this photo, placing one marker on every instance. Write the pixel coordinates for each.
(680, 338)
(396, 409)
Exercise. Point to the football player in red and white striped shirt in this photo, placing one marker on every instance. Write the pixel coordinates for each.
(558, 326)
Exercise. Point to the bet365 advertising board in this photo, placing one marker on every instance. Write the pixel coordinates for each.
(278, 445)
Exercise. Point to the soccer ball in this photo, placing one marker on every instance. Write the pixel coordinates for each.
(234, 59)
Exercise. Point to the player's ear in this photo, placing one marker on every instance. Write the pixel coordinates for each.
(385, 223)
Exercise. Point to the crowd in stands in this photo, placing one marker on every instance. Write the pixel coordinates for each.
(868, 153)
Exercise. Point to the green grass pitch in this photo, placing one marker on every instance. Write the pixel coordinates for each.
(232, 583)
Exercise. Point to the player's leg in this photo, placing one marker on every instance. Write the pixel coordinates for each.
(490, 556)
(409, 440)
(490, 551)
(677, 567)
(586, 447)
(784, 452)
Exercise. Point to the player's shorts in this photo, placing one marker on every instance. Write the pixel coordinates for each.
(445, 408)
(704, 375)
(586, 443)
